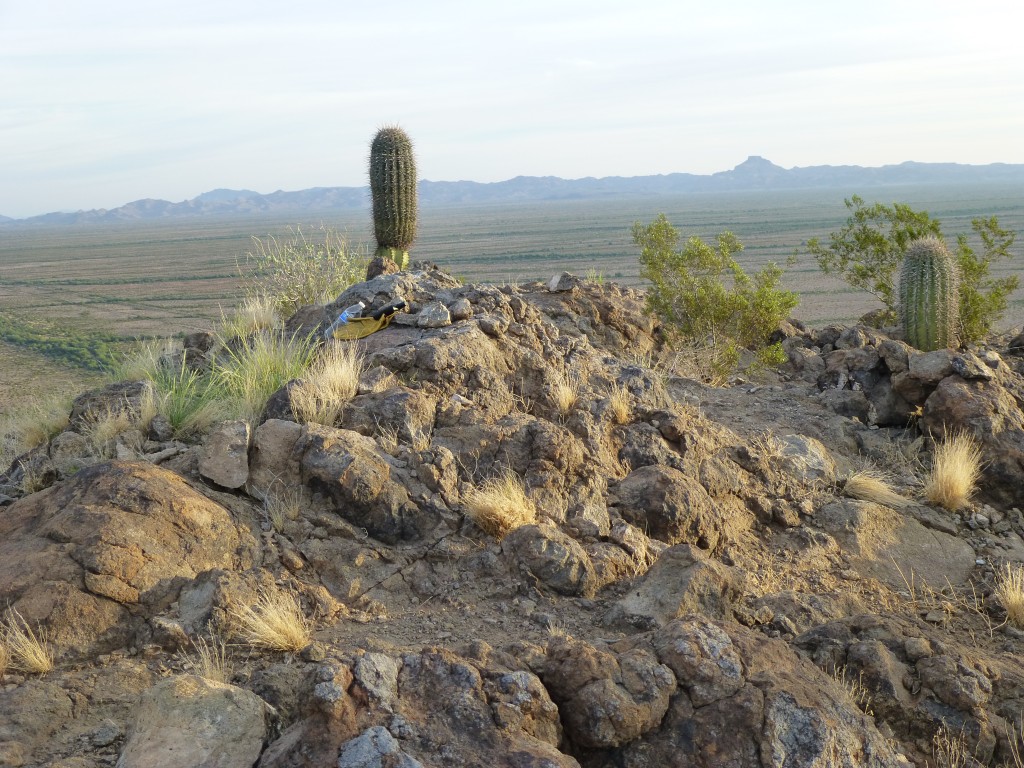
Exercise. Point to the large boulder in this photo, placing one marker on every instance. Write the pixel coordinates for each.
(188, 720)
(79, 557)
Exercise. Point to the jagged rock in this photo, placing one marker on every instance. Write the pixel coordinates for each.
(433, 315)
(406, 412)
(890, 547)
(557, 560)
(563, 281)
(375, 748)
(77, 557)
(806, 460)
(225, 456)
(272, 467)
(306, 321)
(120, 397)
(350, 470)
(30, 714)
(381, 265)
(670, 506)
(188, 720)
(606, 699)
(682, 580)
(461, 309)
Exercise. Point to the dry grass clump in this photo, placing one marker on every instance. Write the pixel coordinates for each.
(102, 429)
(212, 660)
(4, 659)
(869, 485)
(275, 622)
(956, 468)
(332, 380)
(250, 372)
(619, 403)
(282, 506)
(257, 312)
(564, 393)
(25, 651)
(1010, 591)
(32, 426)
(500, 505)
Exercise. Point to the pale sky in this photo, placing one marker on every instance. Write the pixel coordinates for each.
(105, 102)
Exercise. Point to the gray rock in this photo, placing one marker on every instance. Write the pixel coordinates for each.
(375, 748)
(378, 674)
(272, 467)
(188, 720)
(682, 580)
(461, 309)
(556, 559)
(807, 460)
(563, 281)
(433, 315)
(225, 456)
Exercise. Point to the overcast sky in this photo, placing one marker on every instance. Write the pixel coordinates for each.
(105, 102)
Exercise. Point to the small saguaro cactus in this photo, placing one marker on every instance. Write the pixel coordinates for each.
(393, 189)
(929, 295)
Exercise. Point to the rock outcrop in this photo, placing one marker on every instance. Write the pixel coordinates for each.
(695, 589)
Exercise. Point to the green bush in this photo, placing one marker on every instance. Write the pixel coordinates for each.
(870, 247)
(705, 299)
(301, 269)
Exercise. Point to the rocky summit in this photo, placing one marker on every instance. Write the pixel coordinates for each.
(702, 580)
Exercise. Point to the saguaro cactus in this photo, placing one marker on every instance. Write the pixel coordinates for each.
(929, 295)
(393, 189)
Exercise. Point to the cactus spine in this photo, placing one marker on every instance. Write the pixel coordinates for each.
(929, 295)
(393, 189)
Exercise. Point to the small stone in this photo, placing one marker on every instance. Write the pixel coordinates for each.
(461, 309)
(561, 282)
(105, 735)
(314, 652)
(434, 315)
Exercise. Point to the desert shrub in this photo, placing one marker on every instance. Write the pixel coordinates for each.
(499, 505)
(26, 651)
(1009, 588)
(251, 370)
(257, 312)
(870, 247)
(275, 622)
(332, 380)
(302, 269)
(31, 426)
(956, 468)
(704, 298)
(873, 486)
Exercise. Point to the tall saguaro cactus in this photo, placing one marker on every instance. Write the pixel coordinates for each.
(929, 295)
(393, 189)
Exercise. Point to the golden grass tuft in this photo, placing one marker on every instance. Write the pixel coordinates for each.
(868, 485)
(956, 468)
(619, 403)
(282, 506)
(101, 429)
(332, 380)
(31, 426)
(212, 660)
(500, 505)
(26, 651)
(4, 659)
(1010, 591)
(564, 393)
(275, 622)
(257, 312)
(248, 373)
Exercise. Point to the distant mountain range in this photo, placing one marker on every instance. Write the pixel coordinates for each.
(755, 173)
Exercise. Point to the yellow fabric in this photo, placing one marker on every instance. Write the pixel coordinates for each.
(359, 327)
